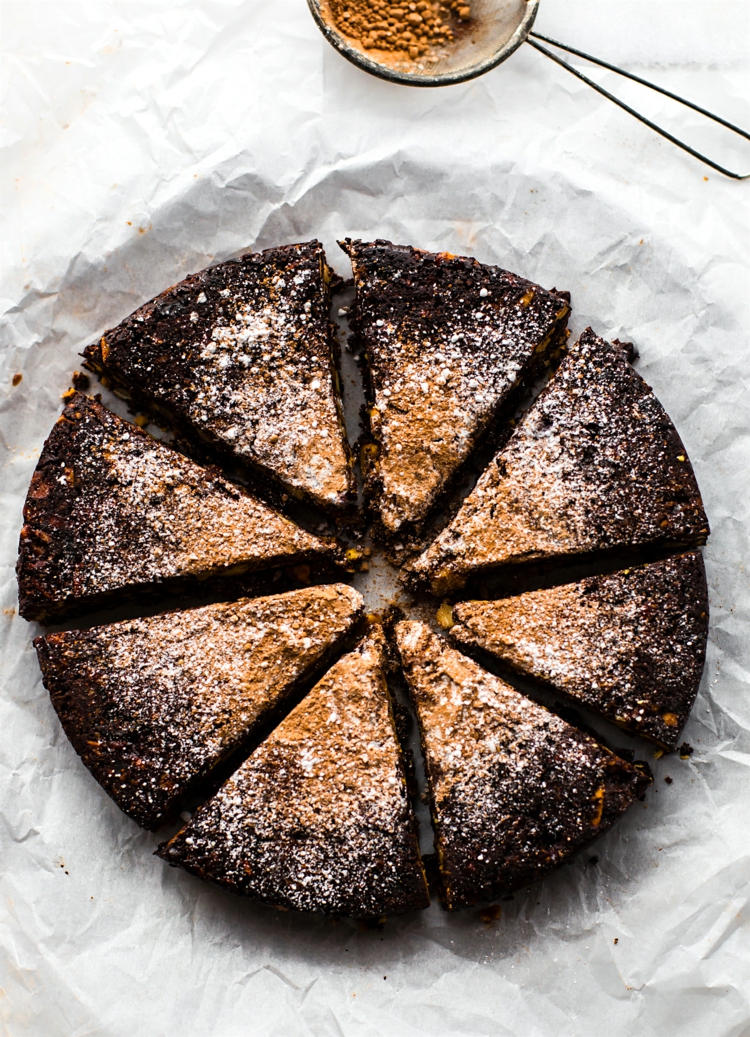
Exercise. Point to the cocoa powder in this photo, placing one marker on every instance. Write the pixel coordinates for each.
(408, 29)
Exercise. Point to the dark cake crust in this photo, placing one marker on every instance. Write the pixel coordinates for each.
(241, 356)
(595, 465)
(112, 513)
(514, 790)
(630, 646)
(153, 706)
(448, 342)
(319, 817)
(242, 360)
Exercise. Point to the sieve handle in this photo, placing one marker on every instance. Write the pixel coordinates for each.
(534, 36)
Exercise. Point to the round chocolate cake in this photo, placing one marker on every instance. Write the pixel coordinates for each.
(532, 497)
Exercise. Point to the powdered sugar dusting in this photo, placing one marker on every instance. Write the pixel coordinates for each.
(630, 646)
(514, 789)
(595, 463)
(241, 354)
(318, 818)
(447, 339)
(109, 508)
(153, 704)
(288, 422)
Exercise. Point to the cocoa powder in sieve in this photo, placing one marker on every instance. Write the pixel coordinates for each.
(410, 28)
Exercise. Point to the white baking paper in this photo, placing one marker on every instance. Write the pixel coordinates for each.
(142, 141)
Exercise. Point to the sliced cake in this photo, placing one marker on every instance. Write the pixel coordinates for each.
(447, 340)
(152, 706)
(241, 355)
(514, 790)
(630, 646)
(318, 818)
(594, 465)
(111, 511)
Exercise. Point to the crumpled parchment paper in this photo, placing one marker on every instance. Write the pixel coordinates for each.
(144, 141)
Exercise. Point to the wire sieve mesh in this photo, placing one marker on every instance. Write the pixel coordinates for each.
(496, 29)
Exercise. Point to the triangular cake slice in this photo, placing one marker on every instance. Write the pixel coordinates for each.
(630, 645)
(111, 511)
(153, 706)
(241, 355)
(447, 340)
(514, 790)
(318, 818)
(594, 465)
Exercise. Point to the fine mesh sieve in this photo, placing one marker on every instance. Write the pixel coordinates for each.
(496, 29)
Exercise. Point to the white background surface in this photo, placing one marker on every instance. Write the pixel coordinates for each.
(144, 140)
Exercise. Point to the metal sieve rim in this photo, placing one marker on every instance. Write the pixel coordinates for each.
(361, 60)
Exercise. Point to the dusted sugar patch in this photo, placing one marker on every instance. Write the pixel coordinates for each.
(152, 706)
(513, 789)
(595, 464)
(242, 356)
(447, 340)
(111, 511)
(630, 646)
(318, 818)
